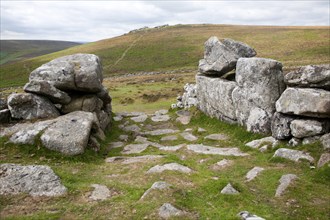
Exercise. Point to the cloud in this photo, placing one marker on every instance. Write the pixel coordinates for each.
(95, 20)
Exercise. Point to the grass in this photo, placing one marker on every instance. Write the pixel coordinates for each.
(181, 46)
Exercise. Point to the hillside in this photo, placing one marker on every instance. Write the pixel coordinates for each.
(16, 50)
(181, 46)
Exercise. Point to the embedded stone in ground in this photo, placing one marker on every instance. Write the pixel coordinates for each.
(217, 137)
(118, 118)
(172, 148)
(285, 181)
(138, 159)
(229, 190)
(144, 140)
(123, 137)
(161, 132)
(160, 118)
(183, 119)
(222, 164)
(245, 215)
(35, 180)
(294, 155)
(134, 148)
(100, 192)
(140, 118)
(324, 159)
(157, 185)
(161, 112)
(169, 138)
(253, 173)
(325, 141)
(257, 143)
(203, 149)
(132, 128)
(188, 136)
(167, 211)
(116, 144)
(170, 167)
(201, 130)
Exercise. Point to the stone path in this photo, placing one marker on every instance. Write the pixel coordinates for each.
(203, 149)
(170, 167)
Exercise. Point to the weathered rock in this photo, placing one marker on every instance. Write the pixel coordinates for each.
(144, 140)
(123, 137)
(169, 138)
(137, 159)
(313, 76)
(183, 119)
(167, 211)
(35, 180)
(245, 215)
(99, 193)
(189, 97)
(79, 72)
(280, 126)
(161, 132)
(104, 120)
(229, 190)
(324, 159)
(188, 136)
(140, 118)
(69, 134)
(30, 106)
(217, 137)
(44, 88)
(172, 148)
(240, 48)
(294, 155)
(203, 149)
(170, 167)
(201, 130)
(116, 144)
(305, 102)
(157, 185)
(134, 148)
(161, 112)
(310, 140)
(215, 97)
(293, 142)
(118, 118)
(221, 164)
(4, 116)
(160, 118)
(87, 103)
(325, 140)
(285, 181)
(3, 104)
(132, 128)
(104, 96)
(253, 173)
(259, 142)
(260, 84)
(306, 128)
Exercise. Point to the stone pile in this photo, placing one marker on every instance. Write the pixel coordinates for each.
(303, 110)
(67, 91)
(189, 97)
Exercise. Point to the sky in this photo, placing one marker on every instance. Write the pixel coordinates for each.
(86, 21)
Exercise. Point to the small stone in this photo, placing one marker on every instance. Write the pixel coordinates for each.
(161, 132)
(293, 142)
(253, 173)
(100, 192)
(229, 190)
(183, 119)
(245, 215)
(123, 137)
(116, 144)
(138, 159)
(203, 149)
(294, 155)
(132, 128)
(201, 130)
(324, 159)
(188, 136)
(160, 118)
(157, 185)
(170, 167)
(325, 140)
(285, 181)
(134, 148)
(139, 119)
(172, 148)
(169, 138)
(217, 137)
(263, 148)
(118, 118)
(167, 211)
(310, 140)
(221, 164)
(257, 143)
(161, 112)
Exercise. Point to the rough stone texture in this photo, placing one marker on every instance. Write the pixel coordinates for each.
(310, 140)
(167, 211)
(294, 155)
(160, 118)
(189, 97)
(69, 134)
(123, 137)
(116, 144)
(314, 76)
(4, 116)
(201, 130)
(161, 132)
(137, 159)
(203, 149)
(188, 136)
(132, 128)
(293, 142)
(240, 48)
(258, 143)
(253, 173)
(222, 164)
(3, 104)
(280, 126)
(79, 72)
(217, 137)
(35, 180)
(134, 148)
(229, 190)
(215, 97)
(157, 185)
(45, 88)
(170, 167)
(325, 140)
(183, 119)
(324, 159)
(301, 128)
(172, 148)
(30, 106)
(169, 138)
(305, 102)
(87, 103)
(139, 119)
(260, 84)
(245, 215)
(161, 112)
(145, 140)
(99, 193)
(285, 181)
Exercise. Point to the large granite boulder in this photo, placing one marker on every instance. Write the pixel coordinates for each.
(77, 72)
(260, 84)
(215, 97)
(313, 76)
(69, 134)
(36, 180)
(305, 102)
(30, 106)
(87, 103)
(221, 57)
(301, 128)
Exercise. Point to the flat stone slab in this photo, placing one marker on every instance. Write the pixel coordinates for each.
(161, 132)
(118, 118)
(116, 144)
(36, 180)
(229, 190)
(217, 137)
(172, 148)
(169, 138)
(203, 149)
(294, 155)
(261, 142)
(144, 140)
(134, 148)
(324, 159)
(123, 137)
(140, 118)
(285, 181)
(253, 173)
(161, 112)
(138, 159)
(99, 193)
(222, 164)
(167, 211)
(245, 215)
(160, 118)
(170, 167)
(201, 130)
(132, 128)
(188, 136)
(183, 119)
(158, 186)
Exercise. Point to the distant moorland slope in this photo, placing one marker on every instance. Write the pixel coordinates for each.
(181, 46)
(16, 50)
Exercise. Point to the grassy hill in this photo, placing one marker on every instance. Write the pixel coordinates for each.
(181, 46)
(16, 50)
